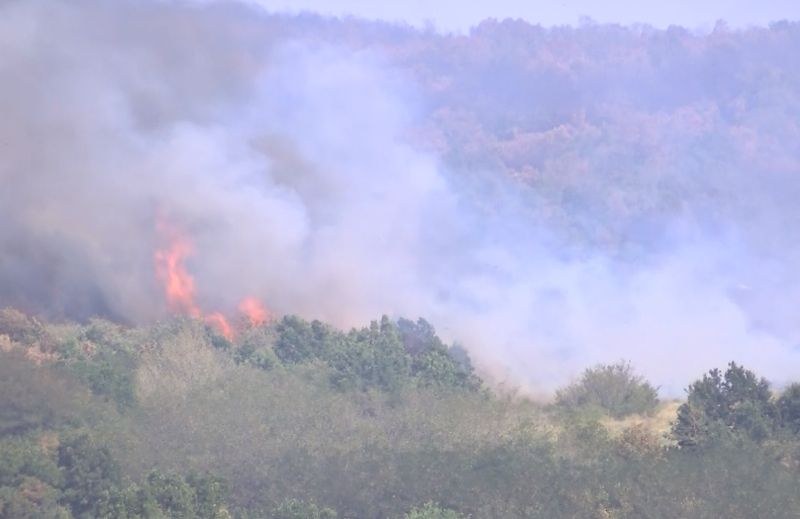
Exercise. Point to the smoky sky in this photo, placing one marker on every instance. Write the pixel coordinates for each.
(549, 198)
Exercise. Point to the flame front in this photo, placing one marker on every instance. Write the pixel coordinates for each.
(179, 285)
(177, 282)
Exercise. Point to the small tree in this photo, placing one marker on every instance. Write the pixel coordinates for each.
(91, 476)
(737, 403)
(789, 408)
(615, 389)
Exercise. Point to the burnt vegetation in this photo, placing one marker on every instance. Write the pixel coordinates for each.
(296, 419)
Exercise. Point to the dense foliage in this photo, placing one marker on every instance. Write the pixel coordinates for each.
(297, 419)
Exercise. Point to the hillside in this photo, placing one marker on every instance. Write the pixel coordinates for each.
(299, 420)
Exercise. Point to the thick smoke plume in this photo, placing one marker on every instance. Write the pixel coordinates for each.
(551, 198)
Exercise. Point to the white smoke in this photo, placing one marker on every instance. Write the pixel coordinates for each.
(294, 163)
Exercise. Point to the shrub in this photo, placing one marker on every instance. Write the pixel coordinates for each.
(21, 328)
(33, 397)
(296, 509)
(613, 388)
(432, 511)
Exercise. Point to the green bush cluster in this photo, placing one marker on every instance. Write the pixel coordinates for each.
(385, 355)
(79, 478)
(735, 405)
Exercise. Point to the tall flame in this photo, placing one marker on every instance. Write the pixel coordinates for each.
(179, 285)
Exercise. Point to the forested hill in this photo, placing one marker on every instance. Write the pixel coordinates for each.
(298, 420)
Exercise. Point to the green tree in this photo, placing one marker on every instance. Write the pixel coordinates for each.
(719, 406)
(256, 348)
(418, 337)
(372, 357)
(433, 364)
(91, 476)
(300, 341)
(173, 494)
(211, 495)
(789, 408)
(436, 367)
(103, 358)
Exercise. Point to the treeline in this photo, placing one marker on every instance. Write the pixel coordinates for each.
(297, 419)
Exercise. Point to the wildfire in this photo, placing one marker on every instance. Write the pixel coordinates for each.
(254, 310)
(220, 322)
(179, 285)
(177, 282)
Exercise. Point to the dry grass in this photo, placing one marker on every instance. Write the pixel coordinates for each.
(658, 423)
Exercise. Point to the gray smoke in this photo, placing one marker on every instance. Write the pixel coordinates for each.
(551, 198)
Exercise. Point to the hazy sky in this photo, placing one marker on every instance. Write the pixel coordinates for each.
(460, 15)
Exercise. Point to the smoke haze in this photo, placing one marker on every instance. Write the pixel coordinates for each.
(550, 198)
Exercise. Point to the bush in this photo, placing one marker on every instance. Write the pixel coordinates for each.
(33, 397)
(432, 511)
(21, 328)
(296, 509)
(255, 348)
(612, 388)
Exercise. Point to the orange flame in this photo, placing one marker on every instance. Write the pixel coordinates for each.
(254, 310)
(179, 286)
(177, 282)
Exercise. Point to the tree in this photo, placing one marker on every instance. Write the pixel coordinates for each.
(173, 495)
(300, 341)
(436, 367)
(372, 357)
(418, 338)
(433, 364)
(737, 404)
(91, 476)
(789, 408)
